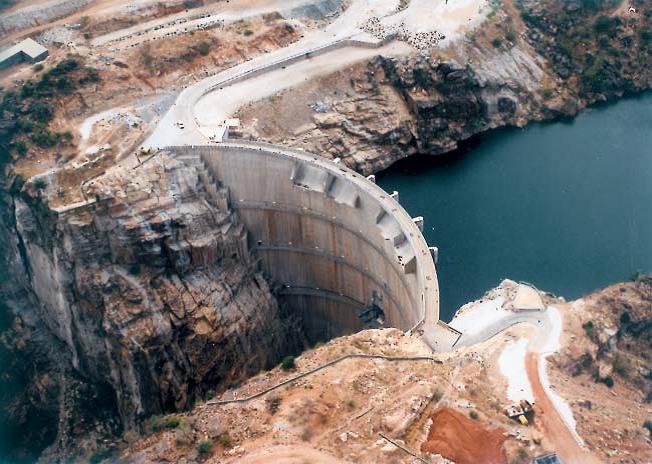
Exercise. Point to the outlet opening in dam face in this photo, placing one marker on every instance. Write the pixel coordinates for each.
(340, 252)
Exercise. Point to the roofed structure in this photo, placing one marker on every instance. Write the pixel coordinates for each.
(28, 50)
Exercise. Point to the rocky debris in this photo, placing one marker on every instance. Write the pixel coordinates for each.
(422, 41)
(39, 13)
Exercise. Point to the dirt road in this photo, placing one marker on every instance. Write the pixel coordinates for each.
(553, 424)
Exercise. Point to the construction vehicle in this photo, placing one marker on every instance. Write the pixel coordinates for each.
(520, 412)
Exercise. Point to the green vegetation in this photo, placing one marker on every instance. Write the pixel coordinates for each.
(203, 48)
(40, 184)
(511, 36)
(26, 111)
(648, 425)
(607, 52)
(496, 42)
(606, 25)
(100, 455)
(158, 423)
(621, 365)
(608, 381)
(204, 448)
(474, 415)
(225, 440)
(248, 32)
(588, 328)
(6, 4)
(637, 276)
(273, 404)
(288, 363)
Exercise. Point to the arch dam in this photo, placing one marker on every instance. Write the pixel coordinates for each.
(329, 239)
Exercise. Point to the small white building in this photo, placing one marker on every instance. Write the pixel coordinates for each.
(27, 50)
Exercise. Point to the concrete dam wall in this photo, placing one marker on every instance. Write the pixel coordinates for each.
(332, 240)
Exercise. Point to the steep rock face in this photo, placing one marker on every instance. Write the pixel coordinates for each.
(451, 102)
(531, 61)
(397, 107)
(148, 289)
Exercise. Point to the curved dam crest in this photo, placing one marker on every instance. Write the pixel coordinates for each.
(330, 239)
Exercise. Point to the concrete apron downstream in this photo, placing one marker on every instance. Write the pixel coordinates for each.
(329, 238)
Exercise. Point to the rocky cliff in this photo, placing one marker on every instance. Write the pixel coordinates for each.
(145, 295)
(531, 61)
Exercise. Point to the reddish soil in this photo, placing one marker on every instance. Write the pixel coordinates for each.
(463, 440)
(553, 425)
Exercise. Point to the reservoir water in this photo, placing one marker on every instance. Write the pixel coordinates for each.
(566, 206)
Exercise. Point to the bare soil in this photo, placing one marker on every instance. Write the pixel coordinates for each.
(463, 440)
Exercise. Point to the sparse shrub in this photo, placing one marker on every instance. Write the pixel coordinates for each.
(474, 415)
(38, 67)
(20, 148)
(130, 436)
(351, 404)
(496, 42)
(100, 455)
(511, 36)
(40, 184)
(248, 32)
(45, 138)
(225, 440)
(40, 111)
(146, 56)
(636, 276)
(621, 365)
(183, 436)
(606, 25)
(134, 269)
(306, 435)
(648, 425)
(204, 447)
(608, 381)
(273, 404)
(522, 453)
(158, 423)
(438, 395)
(203, 48)
(288, 363)
(645, 36)
(588, 328)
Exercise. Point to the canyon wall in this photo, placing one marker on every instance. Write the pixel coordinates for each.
(146, 292)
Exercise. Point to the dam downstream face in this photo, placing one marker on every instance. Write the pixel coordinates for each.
(332, 242)
(565, 206)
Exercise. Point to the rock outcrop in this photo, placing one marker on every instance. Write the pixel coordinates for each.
(146, 293)
(535, 61)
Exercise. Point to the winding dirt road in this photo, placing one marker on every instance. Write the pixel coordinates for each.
(553, 424)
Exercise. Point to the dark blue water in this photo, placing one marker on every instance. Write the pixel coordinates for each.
(566, 206)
